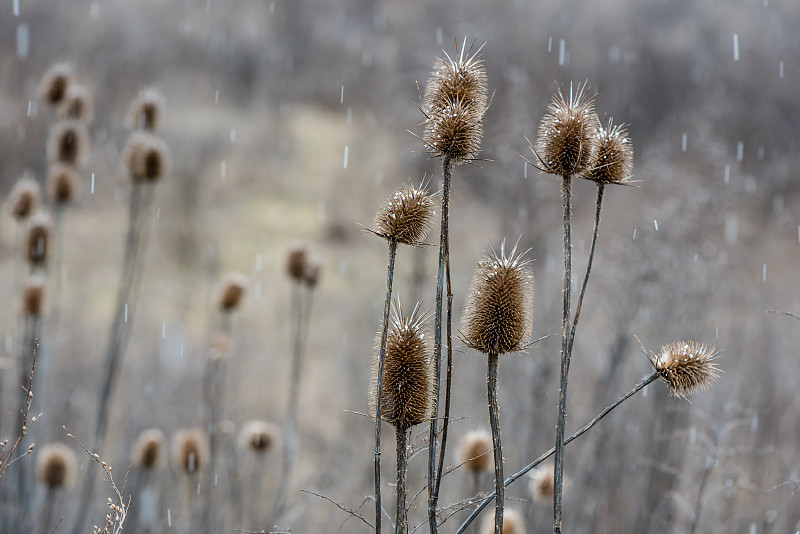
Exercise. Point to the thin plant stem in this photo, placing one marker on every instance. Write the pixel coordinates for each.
(401, 523)
(562, 397)
(494, 420)
(516, 476)
(379, 389)
(25, 487)
(444, 259)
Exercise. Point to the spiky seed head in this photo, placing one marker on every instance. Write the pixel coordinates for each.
(231, 292)
(190, 450)
(407, 215)
(612, 160)
(33, 296)
(56, 465)
(68, 143)
(454, 132)
(567, 132)
(513, 522)
(146, 110)
(475, 451)
(312, 271)
(38, 237)
(77, 104)
(146, 158)
(55, 82)
(258, 436)
(686, 366)
(541, 484)
(25, 197)
(149, 449)
(61, 183)
(296, 261)
(498, 312)
(406, 399)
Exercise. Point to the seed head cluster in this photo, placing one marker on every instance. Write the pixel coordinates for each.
(149, 449)
(55, 82)
(541, 484)
(190, 450)
(513, 523)
(475, 451)
(686, 366)
(25, 197)
(258, 436)
(613, 156)
(302, 267)
(61, 183)
(33, 296)
(498, 313)
(145, 111)
(56, 465)
(406, 216)
(231, 292)
(68, 143)
(38, 237)
(77, 104)
(146, 158)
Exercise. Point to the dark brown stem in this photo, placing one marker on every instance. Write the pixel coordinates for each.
(448, 377)
(401, 523)
(494, 421)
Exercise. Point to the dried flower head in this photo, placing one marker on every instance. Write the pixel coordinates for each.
(61, 183)
(231, 292)
(312, 270)
(190, 450)
(33, 296)
(149, 450)
(38, 237)
(567, 132)
(406, 398)
(454, 105)
(612, 162)
(77, 104)
(146, 158)
(513, 522)
(406, 216)
(68, 143)
(56, 465)
(296, 261)
(687, 366)
(498, 313)
(55, 82)
(541, 484)
(258, 436)
(24, 197)
(475, 451)
(146, 109)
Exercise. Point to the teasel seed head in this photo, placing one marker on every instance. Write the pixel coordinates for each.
(146, 110)
(686, 366)
(77, 104)
(612, 161)
(33, 296)
(146, 158)
(190, 450)
(25, 197)
(296, 261)
(258, 436)
(498, 313)
(312, 271)
(567, 132)
(38, 237)
(55, 82)
(541, 484)
(56, 466)
(475, 451)
(407, 215)
(513, 522)
(407, 394)
(231, 292)
(149, 450)
(61, 183)
(68, 143)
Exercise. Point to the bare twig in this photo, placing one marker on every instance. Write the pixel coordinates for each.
(787, 314)
(10, 459)
(341, 507)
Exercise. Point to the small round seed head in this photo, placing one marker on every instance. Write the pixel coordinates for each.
(312, 270)
(513, 522)
(190, 450)
(55, 82)
(68, 143)
(612, 162)
(406, 399)
(77, 104)
(407, 215)
(475, 451)
(61, 183)
(38, 237)
(24, 197)
(258, 436)
(498, 313)
(686, 366)
(231, 292)
(296, 261)
(149, 450)
(541, 484)
(33, 296)
(567, 132)
(56, 465)
(146, 158)
(146, 109)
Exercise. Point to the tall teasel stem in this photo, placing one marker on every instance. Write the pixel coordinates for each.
(494, 421)
(401, 523)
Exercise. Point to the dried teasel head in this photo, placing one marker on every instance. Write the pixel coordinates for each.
(312, 271)
(149, 450)
(231, 292)
(77, 104)
(33, 296)
(406, 398)
(56, 466)
(38, 237)
(454, 105)
(407, 215)
(475, 451)
(541, 484)
(498, 313)
(25, 197)
(146, 158)
(55, 82)
(513, 522)
(296, 261)
(612, 161)
(567, 132)
(258, 436)
(190, 450)
(146, 110)
(61, 183)
(68, 143)
(686, 366)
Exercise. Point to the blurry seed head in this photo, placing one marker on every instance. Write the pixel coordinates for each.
(61, 183)
(231, 292)
(513, 522)
(475, 451)
(68, 143)
(33, 296)
(146, 110)
(296, 261)
(541, 484)
(25, 197)
(190, 450)
(498, 312)
(567, 132)
(77, 104)
(312, 270)
(56, 466)
(612, 161)
(686, 366)
(146, 158)
(149, 450)
(407, 215)
(38, 238)
(258, 436)
(407, 397)
(55, 82)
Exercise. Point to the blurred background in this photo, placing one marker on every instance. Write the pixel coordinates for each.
(292, 121)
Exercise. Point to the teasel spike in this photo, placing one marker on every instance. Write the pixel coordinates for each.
(61, 183)
(149, 449)
(190, 450)
(38, 237)
(406, 216)
(296, 260)
(56, 466)
(686, 366)
(146, 158)
(68, 143)
(77, 104)
(25, 197)
(231, 291)
(475, 451)
(513, 523)
(258, 436)
(612, 161)
(55, 82)
(33, 296)
(146, 110)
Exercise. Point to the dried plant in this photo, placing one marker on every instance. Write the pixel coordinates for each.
(33, 296)
(513, 523)
(77, 104)
(296, 259)
(55, 83)
(612, 158)
(61, 183)
(686, 366)
(258, 436)
(149, 450)
(541, 485)
(39, 228)
(190, 450)
(146, 110)
(68, 143)
(146, 158)
(475, 450)
(230, 293)
(25, 197)
(56, 466)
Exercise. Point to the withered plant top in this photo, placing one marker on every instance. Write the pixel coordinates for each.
(686, 366)
(407, 215)
(613, 156)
